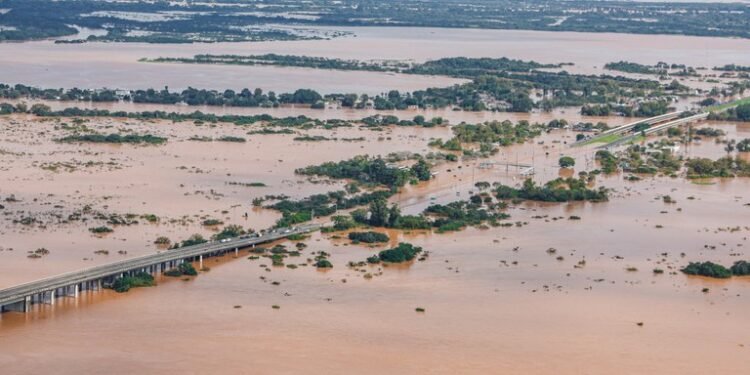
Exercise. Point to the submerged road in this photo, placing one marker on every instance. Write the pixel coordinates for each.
(20, 297)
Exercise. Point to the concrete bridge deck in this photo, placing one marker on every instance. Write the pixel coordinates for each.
(20, 297)
(661, 127)
(627, 127)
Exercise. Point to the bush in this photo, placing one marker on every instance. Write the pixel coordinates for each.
(187, 269)
(140, 279)
(707, 269)
(212, 222)
(162, 240)
(323, 263)
(195, 239)
(99, 230)
(368, 237)
(567, 162)
(402, 253)
(740, 268)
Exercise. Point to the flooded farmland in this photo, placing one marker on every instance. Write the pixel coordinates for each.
(545, 294)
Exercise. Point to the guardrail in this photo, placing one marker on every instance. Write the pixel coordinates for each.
(19, 292)
(624, 128)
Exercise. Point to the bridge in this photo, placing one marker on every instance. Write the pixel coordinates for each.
(21, 297)
(622, 129)
(661, 127)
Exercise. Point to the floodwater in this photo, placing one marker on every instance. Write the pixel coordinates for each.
(115, 65)
(571, 114)
(496, 300)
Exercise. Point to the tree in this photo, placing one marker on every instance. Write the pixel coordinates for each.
(379, 213)
(394, 214)
(40, 109)
(341, 222)
(743, 112)
(421, 170)
(567, 162)
(359, 215)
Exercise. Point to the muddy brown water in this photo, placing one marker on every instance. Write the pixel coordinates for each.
(495, 300)
(115, 65)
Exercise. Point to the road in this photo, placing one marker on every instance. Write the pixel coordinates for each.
(162, 260)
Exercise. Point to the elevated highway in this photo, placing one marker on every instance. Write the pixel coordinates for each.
(20, 297)
(622, 129)
(661, 127)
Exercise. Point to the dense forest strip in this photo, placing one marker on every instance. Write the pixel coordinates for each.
(461, 67)
(496, 84)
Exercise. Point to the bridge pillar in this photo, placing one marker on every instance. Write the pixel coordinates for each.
(20, 306)
(236, 252)
(52, 297)
(200, 266)
(75, 291)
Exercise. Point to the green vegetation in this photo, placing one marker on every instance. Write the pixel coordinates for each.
(661, 68)
(557, 190)
(723, 167)
(707, 269)
(642, 159)
(733, 68)
(162, 240)
(709, 132)
(369, 170)
(566, 162)
(195, 239)
(137, 280)
(368, 237)
(211, 222)
(744, 145)
(649, 108)
(247, 184)
(740, 268)
(282, 60)
(228, 138)
(319, 205)
(101, 230)
(488, 134)
(184, 269)
(454, 66)
(455, 216)
(114, 138)
(631, 67)
(737, 111)
(404, 252)
(228, 231)
(504, 90)
(323, 263)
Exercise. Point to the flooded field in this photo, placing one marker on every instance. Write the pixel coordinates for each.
(545, 294)
(495, 300)
(115, 65)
